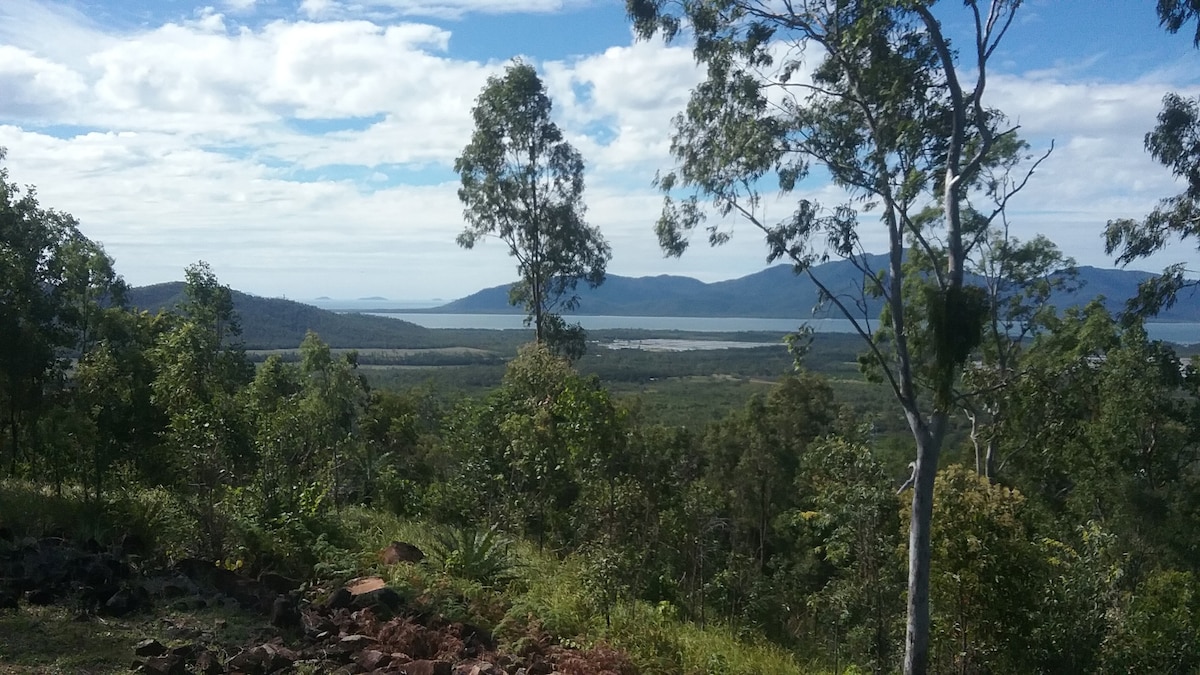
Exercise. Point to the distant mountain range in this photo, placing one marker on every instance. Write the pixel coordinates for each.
(776, 293)
(274, 323)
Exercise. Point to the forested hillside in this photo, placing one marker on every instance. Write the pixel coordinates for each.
(275, 323)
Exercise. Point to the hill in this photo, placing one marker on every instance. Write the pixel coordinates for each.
(777, 293)
(274, 323)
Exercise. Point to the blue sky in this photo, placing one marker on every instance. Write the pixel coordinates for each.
(304, 147)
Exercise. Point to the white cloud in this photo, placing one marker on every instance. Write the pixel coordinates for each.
(631, 93)
(442, 9)
(208, 134)
(32, 83)
(316, 9)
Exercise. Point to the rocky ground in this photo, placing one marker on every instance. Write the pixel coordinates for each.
(360, 627)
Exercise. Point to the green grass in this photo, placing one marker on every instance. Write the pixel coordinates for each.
(541, 596)
(548, 595)
(51, 640)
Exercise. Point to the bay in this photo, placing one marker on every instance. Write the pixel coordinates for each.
(1182, 333)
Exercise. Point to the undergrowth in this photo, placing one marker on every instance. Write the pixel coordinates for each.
(529, 598)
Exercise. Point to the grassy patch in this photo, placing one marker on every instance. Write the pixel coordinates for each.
(48, 640)
(51, 640)
(547, 597)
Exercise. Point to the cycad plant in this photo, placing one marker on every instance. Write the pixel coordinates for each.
(470, 553)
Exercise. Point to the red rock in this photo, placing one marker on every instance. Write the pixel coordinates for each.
(372, 659)
(427, 667)
(399, 551)
(365, 585)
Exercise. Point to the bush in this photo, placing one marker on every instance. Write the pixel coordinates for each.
(477, 555)
(1158, 630)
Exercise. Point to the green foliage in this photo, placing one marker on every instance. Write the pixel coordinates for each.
(1175, 143)
(987, 574)
(523, 183)
(54, 286)
(557, 601)
(1159, 631)
(851, 578)
(480, 555)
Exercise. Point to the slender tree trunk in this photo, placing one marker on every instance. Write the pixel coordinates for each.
(929, 447)
(990, 460)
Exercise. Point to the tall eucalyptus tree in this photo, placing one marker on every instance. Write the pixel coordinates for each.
(522, 182)
(873, 93)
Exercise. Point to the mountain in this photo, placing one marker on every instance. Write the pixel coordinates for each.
(776, 292)
(274, 323)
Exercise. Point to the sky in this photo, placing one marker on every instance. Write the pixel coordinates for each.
(305, 148)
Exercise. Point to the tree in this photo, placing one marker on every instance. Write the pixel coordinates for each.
(888, 115)
(200, 372)
(1174, 14)
(54, 286)
(112, 395)
(1175, 143)
(523, 183)
(1019, 279)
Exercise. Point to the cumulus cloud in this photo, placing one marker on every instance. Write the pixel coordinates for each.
(618, 104)
(443, 9)
(312, 154)
(33, 83)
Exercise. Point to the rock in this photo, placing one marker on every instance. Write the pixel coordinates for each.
(316, 625)
(540, 667)
(276, 657)
(340, 599)
(284, 613)
(427, 667)
(477, 668)
(476, 636)
(124, 602)
(187, 652)
(246, 661)
(372, 659)
(384, 602)
(399, 551)
(95, 596)
(351, 644)
(164, 665)
(131, 544)
(365, 585)
(265, 658)
(149, 647)
(207, 663)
